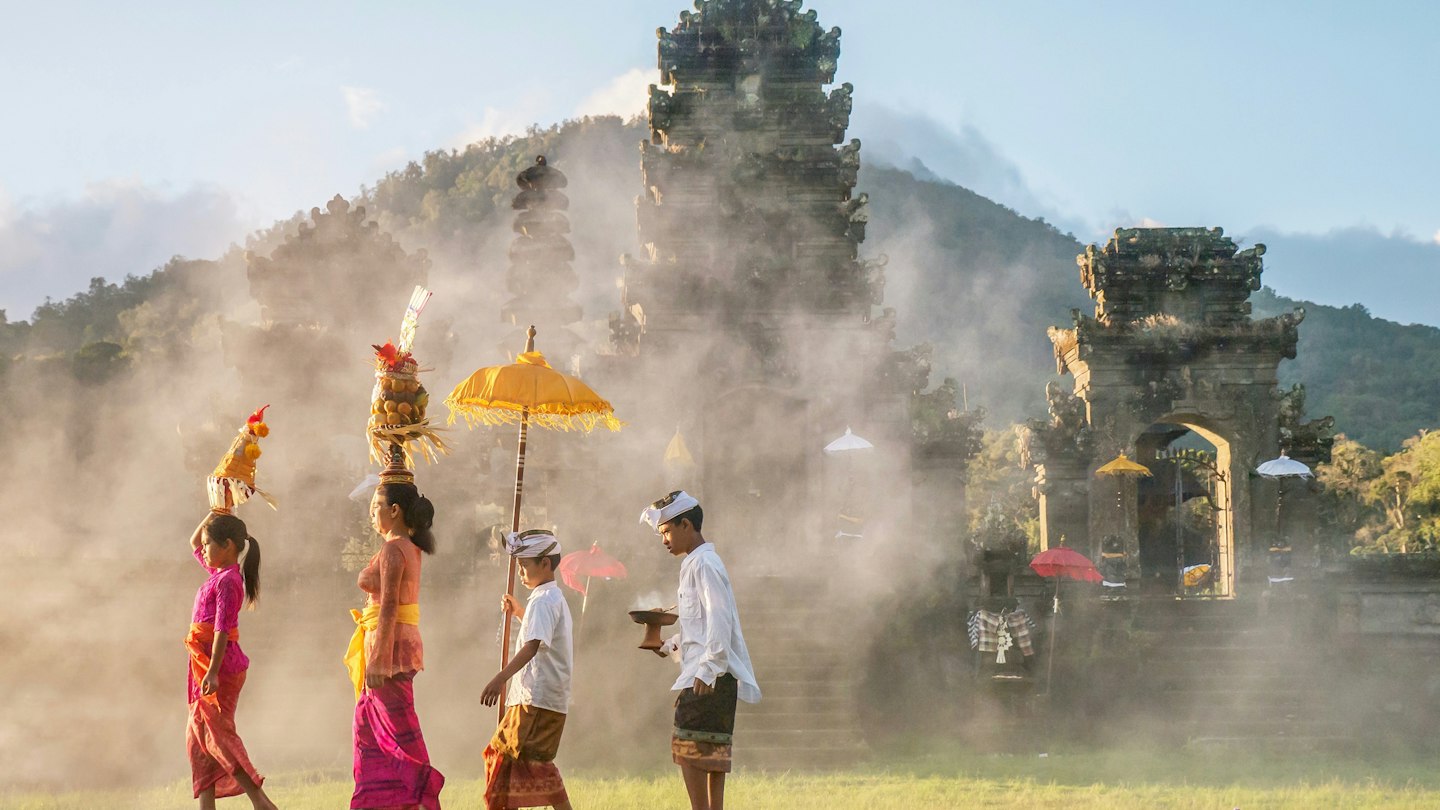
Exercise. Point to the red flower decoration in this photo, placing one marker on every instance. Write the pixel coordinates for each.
(392, 357)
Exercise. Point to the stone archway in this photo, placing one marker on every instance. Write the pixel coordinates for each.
(1186, 510)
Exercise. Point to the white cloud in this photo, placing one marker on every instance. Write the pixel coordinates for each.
(1435, 238)
(496, 123)
(113, 229)
(363, 105)
(1147, 222)
(625, 95)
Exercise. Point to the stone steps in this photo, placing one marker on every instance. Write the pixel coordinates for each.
(807, 717)
(1224, 674)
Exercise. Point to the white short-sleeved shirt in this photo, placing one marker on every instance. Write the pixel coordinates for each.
(545, 681)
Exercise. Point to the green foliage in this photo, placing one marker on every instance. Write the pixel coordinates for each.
(98, 362)
(1003, 510)
(1407, 492)
(447, 193)
(1379, 379)
(1390, 504)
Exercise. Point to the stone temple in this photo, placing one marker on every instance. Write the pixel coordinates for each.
(756, 322)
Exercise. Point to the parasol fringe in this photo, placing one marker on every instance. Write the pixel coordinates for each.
(583, 418)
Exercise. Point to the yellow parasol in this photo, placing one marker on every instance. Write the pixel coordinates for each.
(522, 393)
(1122, 466)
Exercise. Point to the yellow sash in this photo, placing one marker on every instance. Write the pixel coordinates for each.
(364, 623)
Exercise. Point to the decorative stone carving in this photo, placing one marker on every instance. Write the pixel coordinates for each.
(747, 195)
(1306, 441)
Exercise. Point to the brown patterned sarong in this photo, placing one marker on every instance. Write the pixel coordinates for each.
(519, 761)
(705, 726)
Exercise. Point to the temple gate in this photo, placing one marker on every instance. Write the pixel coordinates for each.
(1172, 371)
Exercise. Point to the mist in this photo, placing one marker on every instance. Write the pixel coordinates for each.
(111, 474)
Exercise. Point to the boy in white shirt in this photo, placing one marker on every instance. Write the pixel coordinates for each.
(520, 760)
(715, 666)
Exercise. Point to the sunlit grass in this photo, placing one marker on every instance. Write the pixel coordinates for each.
(928, 778)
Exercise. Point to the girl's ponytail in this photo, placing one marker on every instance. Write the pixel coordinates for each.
(250, 570)
(232, 530)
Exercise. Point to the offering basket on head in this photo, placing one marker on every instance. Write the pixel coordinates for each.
(653, 621)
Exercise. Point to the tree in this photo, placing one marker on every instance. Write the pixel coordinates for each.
(1004, 510)
(1347, 478)
(1407, 493)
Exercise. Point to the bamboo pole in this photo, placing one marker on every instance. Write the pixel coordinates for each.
(515, 525)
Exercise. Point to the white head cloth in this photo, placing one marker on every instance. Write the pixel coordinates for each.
(664, 510)
(532, 543)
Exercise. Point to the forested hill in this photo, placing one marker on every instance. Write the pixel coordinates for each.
(972, 278)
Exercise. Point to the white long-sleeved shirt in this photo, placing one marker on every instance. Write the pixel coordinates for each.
(710, 642)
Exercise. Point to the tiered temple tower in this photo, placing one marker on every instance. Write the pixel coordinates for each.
(540, 277)
(751, 272)
(748, 215)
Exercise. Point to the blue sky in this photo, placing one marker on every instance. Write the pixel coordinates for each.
(136, 131)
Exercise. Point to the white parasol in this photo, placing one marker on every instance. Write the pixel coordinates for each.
(1284, 467)
(848, 443)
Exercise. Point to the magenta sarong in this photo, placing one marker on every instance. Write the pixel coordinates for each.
(392, 767)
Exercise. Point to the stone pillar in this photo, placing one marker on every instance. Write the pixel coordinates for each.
(1063, 490)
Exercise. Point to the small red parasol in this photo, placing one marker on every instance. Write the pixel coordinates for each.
(1061, 563)
(591, 562)
(1065, 562)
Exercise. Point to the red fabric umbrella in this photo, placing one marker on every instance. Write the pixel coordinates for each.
(592, 562)
(577, 567)
(1065, 562)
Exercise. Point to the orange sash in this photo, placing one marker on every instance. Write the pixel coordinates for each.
(199, 642)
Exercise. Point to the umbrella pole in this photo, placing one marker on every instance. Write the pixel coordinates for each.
(514, 527)
(584, 601)
(1054, 626)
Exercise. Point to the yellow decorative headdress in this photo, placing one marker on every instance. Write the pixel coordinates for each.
(233, 480)
(398, 404)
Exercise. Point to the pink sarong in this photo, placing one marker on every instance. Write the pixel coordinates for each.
(392, 767)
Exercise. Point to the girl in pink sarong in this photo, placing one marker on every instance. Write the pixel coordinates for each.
(219, 766)
(392, 765)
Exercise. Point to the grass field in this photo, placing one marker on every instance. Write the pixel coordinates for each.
(946, 779)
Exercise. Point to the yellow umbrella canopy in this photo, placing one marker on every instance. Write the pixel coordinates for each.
(530, 390)
(1120, 465)
(523, 393)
